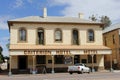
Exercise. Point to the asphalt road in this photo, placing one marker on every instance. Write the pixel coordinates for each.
(65, 76)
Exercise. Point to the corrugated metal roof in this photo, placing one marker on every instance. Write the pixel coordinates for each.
(53, 19)
(58, 47)
(112, 27)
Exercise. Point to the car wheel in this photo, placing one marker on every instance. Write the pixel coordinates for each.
(82, 71)
(89, 71)
(70, 72)
(78, 72)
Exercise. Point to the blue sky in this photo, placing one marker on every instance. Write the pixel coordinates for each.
(11, 9)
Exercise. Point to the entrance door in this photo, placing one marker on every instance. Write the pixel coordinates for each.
(76, 59)
(22, 62)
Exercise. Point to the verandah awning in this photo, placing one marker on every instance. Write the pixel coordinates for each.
(59, 50)
(57, 47)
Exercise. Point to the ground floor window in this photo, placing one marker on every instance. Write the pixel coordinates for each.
(59, 59)
(76, 59)
(84, 61)
(41, 59)
(90, 59)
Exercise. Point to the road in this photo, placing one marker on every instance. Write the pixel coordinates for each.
(65, 76)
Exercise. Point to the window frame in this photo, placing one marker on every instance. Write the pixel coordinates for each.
(40, 59)
(38, 37)
(77, 36)
(113, 39)
(88, 36)
(61, 35)
(59, 59)
(89, 58)
(105, 41)
(19, 35)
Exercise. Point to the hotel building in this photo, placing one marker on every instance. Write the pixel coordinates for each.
(55, 43)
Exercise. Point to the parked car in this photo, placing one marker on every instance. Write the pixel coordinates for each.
(79, 68)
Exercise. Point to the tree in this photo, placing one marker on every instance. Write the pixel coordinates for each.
(8, 45)
(104, 19)
(93, 18)
(1, 56)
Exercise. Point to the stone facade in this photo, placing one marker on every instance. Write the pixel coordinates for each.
(55, 55)
(112, 40)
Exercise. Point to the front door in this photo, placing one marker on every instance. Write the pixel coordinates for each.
(22, 62)
(76, 59)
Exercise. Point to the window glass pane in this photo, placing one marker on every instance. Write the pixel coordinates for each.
(113, 39)
(90, 59)
(59, 59)
(40, 59)
(90, 35)
(58, 35)
(95, 59)
(75, 37)
(41, 36)
(22, 34)
(84, 61)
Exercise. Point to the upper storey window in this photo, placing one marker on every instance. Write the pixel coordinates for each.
(113, 36)
(58, 35)
(90, 35)
(22, 34)
(75, 40)
(40, 34)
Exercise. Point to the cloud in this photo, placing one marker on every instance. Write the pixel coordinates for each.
(88, 7)
(17, 4)
(3, 42)
(3, 21)
(5, 38)
(20, 3)
(30, 1)
(3, 25)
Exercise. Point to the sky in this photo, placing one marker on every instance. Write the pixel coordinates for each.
(12, 9)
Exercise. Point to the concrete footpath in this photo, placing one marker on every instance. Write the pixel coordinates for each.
(103, 75)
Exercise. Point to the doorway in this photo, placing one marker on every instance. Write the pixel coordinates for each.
(22, 62)
(76, 59)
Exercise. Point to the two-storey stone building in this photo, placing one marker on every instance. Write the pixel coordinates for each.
(55, 43)
(111, 37)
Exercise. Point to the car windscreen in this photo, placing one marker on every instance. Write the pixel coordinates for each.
(78, 65)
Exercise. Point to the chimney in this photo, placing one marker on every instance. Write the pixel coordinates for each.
(44, 12)
(81, 15)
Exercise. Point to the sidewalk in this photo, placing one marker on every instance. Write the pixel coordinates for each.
(108, 71)
(101, 71)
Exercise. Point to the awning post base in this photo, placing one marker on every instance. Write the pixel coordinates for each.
(111, 70)
(93, 70)
(52, 71)
(10, 74)
(33, 72)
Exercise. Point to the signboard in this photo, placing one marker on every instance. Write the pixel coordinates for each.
(90, 51)
(37, 52)
(47, 52)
